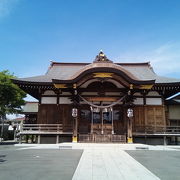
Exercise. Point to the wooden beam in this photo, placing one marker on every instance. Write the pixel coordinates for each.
(149, 86)
(60, 86)
(102, 75)
(102, 99)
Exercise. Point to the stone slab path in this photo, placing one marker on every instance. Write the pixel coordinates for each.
(110, 164)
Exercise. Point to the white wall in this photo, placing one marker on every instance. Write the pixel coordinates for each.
(66, 93)
(149, 101)
(53, 100)
(48, 100)
(138, 101)
(153, 93)
(64, 100)
(137, 94)
(153, 101)
(49, 92)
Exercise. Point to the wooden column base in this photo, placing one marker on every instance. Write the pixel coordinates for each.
(74, 139)
(57, 139)
(129, 140)
(39, 139)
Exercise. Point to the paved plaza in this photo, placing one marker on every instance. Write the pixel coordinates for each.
(86, 161)
(166, 165)
(36, 164)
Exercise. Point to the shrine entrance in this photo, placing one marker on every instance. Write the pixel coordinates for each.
(102, 121)
(102, 116)
(102, 124)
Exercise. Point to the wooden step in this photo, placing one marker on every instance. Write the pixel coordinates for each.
(102, 138)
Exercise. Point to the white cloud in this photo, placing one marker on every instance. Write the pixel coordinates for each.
(6, 7)
(165, 59)
(163, 48)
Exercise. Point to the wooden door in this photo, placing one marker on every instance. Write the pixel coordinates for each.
(118, 120)
(84, 123)
(66, 117)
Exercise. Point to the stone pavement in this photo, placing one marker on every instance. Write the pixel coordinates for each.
(164, 164)
(107, 161)
(110, 164)
(96, 146)
(37, 164)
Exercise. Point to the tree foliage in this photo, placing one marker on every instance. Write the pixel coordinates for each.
(11, 96)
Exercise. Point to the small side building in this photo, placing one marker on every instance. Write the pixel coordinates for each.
(173, 112)
(30, 110)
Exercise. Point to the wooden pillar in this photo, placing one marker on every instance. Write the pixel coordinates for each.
(165, 141)
(20, 139)
(39, 139)
(57, 138)
(102, 129)
(21, 129)
(27, 138)
(129, 130)
(75, 124)
(112, 118)
(129, 125)
(74, 139)
(92, 121)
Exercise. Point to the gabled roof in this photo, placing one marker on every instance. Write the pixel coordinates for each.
(65, 71)
(69, 71)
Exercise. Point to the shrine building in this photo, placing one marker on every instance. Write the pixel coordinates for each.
(101, 101)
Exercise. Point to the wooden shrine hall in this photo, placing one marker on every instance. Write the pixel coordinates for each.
(100, 101)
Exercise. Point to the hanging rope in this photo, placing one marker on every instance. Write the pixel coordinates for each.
(102, 107)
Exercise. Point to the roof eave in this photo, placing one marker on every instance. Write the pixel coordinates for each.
(168, 84)
(21, 82)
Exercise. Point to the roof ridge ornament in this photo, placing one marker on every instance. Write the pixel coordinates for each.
(101, 57)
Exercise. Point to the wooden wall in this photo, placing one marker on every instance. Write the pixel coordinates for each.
(139, 116)
(61, 114)
(120, 123)
(149, 116)
(84, 119)
(174, 112)
(55, 114)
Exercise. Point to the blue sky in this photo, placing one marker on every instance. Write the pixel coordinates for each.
(33, 32)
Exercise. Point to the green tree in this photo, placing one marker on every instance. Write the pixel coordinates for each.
(11, 96)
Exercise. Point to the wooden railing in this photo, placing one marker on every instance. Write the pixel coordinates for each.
(41, 128)
(157, 129)
(58, 128)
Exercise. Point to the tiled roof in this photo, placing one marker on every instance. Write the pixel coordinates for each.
(65, 71)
